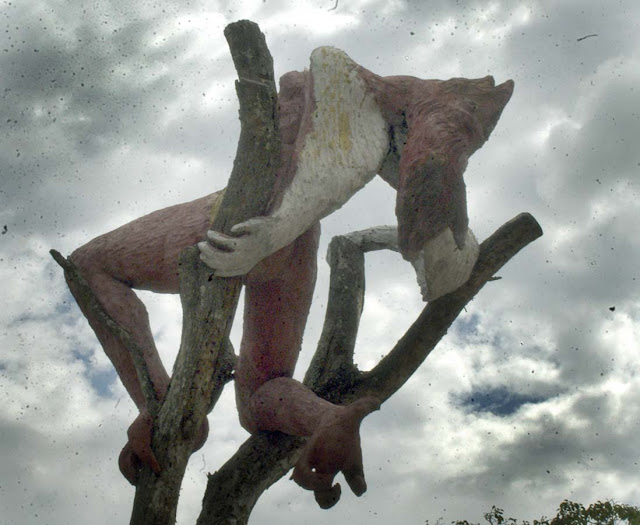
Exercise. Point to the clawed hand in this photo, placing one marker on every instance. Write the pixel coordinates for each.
(335, 447)
(230, 256)
(441, 267)
(137, 452)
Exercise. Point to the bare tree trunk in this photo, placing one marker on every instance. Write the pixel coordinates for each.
(209, 303)
(205, 358)
(265, 457)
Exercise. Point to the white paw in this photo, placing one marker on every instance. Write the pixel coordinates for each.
(235, 255)
(441, 267)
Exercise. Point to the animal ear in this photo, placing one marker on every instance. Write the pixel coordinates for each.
(480, 98)
(490, 102)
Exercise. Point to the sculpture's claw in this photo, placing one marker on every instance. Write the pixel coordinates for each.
(137, 451)
(224, 263)
(220, 240)
(248, 227)
(207, 252)
(129, 464)
(309, 478)
(356, 481)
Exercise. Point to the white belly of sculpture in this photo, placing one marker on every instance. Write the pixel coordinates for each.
(345, 147)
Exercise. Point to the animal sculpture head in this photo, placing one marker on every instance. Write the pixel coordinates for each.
(446, 124)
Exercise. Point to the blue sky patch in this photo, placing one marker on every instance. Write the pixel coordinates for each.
(499, 401)
(101, 381)
(466, 325)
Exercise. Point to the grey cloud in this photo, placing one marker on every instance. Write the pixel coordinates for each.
(74, 95)
(76, 463)
(86, 87)
(587, 438)
(548, 47)
(595, 160)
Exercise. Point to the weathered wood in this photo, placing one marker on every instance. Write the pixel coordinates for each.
(264, 458)
(209, 303)
(333, 359)
(234, 489)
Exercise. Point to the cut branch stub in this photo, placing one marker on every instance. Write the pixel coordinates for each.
(258, 154)
(333, 359)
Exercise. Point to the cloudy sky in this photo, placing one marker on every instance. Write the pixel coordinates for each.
(111, 111)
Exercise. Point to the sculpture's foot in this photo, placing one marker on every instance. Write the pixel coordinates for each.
(137, 452)
(334, 447)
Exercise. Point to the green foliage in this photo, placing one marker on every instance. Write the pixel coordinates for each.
(569, 513)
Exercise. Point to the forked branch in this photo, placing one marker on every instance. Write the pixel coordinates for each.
(265, 457)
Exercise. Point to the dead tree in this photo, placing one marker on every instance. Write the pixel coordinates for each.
(205, 359)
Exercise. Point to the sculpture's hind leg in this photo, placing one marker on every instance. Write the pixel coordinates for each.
(142, 254)
(278, 296)
(277, 300)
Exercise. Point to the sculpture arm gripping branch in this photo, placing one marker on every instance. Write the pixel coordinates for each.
(340, 148)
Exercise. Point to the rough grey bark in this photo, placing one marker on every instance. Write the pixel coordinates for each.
(265, 457)
(209, 303)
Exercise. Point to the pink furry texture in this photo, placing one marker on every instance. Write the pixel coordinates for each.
(445, 123)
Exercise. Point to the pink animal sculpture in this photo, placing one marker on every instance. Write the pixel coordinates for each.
(340, 126)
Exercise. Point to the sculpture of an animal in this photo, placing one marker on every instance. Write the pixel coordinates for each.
(340, 126)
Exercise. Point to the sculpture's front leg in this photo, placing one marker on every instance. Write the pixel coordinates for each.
(251, 242)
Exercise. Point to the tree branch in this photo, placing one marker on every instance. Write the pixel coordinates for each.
(90, 302)
(209, 303)
(422, 337)
(234, 489)
(333, 359)
(265, 457)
